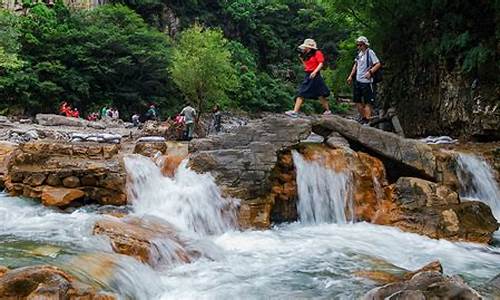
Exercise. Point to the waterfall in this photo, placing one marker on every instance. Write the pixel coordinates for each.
(324, 195)
(190, 201)
(477, 182)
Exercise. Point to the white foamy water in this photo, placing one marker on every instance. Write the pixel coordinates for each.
(190, 201)
(293, 261)
(318, 261)
(324, 195)
(33, 234)
(477, 182)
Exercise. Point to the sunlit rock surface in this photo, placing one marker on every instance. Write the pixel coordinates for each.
(46, 282)
(428, 282)
(95, 169)
(148, 240)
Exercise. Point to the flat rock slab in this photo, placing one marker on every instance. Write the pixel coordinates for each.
(411, 153)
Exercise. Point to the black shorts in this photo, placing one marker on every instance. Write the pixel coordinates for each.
(363, 93)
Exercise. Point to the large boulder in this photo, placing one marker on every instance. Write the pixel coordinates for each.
(57, 120)
(242, 161)
(426, 283)
(434, 210)
(95, 169)
(149, 240)
(46, 282)
(414, 155)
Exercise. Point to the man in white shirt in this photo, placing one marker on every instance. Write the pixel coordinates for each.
(189, 114)
(365, 65)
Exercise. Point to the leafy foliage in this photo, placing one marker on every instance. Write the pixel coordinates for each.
(202, 67)
(106, 55)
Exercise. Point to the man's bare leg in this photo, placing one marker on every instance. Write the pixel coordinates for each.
(324, 103)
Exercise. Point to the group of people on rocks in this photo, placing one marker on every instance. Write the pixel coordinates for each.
(66, 110)
(365, 68)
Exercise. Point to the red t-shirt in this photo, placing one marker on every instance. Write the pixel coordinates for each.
(312, 63)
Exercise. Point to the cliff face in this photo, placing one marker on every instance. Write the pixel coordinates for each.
(431, 100)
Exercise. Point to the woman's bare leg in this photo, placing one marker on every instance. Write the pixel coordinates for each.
(298, 104)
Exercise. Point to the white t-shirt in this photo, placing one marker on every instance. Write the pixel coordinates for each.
(362, 68)
(189, 114)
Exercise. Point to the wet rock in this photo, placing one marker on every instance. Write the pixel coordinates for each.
(255, 214)
(44, 282)
(411, 153)
(71, 181)
(434, 210)
(425, 285)
(6, 151)
(241, 161)
(139, 238)
(391, 277)
(367, 178)
(150, 148)
(60, 196)
(4, 119)
(335, 140)
(97, 170)
(3, 270)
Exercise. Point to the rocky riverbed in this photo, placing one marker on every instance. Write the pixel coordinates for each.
(163, 212)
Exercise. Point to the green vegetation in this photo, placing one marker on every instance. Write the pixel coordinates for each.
(202, 68)
(240, 54)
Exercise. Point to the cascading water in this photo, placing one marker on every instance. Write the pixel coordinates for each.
(190, 201)
(290, 261)
(324, 195)
(477, 182)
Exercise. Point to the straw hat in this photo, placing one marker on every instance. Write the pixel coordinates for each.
(308, 43)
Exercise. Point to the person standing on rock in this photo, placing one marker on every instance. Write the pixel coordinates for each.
(189, 114)
(313, 86)
(363, 88)
(216, 118)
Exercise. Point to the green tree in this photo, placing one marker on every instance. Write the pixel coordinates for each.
(105, 55)
(9, 41)
(202, 67)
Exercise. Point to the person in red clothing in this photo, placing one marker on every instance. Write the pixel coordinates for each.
(75, 113)
(313, 86)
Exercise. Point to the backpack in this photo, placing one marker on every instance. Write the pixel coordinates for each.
(378, 76)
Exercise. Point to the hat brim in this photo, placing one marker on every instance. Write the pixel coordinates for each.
(303, 46)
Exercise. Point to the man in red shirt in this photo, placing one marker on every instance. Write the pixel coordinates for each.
(313, 86)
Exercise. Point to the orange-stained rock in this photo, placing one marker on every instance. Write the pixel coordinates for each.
(6, 150)
(52, 196)
(170, 163)
(150, 148)
(137, 237)
(3, 270)
(384, 276)
(93, 168)
(45, 282)
(428, 282)
(368, 178)
(434, 210)
(255, 214)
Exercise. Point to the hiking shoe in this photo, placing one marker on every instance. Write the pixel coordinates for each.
(292, 114)
(327, 113)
